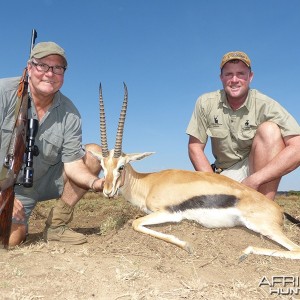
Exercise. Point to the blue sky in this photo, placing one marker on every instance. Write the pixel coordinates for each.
(167, 51)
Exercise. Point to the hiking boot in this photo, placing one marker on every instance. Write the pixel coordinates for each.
(64, 234)
(56, 225)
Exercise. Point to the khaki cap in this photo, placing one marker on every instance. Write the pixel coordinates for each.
(236, 55)
(44, 49)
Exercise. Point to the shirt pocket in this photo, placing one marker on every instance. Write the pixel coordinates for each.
(245, 137)
(219, 139)
(219, 133)
(247, 134)
(51, 147)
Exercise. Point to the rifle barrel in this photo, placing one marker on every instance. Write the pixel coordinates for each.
(33, 38)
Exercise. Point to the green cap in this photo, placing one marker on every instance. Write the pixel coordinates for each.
(44, 49)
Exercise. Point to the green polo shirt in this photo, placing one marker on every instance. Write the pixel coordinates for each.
(59, 136)
(232, 131)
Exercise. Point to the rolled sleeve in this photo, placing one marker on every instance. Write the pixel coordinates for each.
(197, 126)
(271, 110)
(72, 147)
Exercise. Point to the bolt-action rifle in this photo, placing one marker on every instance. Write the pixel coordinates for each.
(16, 154)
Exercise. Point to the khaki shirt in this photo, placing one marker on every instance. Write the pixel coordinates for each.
(59, 135)
(232, 131)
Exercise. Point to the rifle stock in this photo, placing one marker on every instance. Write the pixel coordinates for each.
(14, 158)
(7, 203)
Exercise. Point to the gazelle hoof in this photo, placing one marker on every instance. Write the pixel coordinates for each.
(246, 252)
(188, 248)
(243, 257)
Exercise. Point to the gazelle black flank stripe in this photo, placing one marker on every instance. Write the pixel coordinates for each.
(205, 202)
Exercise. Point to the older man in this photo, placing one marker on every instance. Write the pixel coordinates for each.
(63, 167)
(254, 139)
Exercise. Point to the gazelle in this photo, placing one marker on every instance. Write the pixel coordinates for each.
(172, 195)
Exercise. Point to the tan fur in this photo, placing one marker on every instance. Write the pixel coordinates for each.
(153, 192)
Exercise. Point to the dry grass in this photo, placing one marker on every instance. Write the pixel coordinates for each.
(291, 204)
(121, 264)
(111, 214)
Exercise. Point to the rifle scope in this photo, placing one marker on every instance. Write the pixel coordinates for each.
(32, 150)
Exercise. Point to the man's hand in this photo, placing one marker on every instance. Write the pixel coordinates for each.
(98, 185)
(250, 182)
(18, 210)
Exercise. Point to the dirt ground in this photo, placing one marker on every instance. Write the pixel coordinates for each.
(118, 263)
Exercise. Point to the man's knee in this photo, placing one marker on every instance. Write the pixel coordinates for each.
(268, 135)
(90, 160)
(93, 147)
(17, 234)
(268, 130)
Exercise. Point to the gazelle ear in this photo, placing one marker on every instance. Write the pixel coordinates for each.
(98, 155)
(137, 156)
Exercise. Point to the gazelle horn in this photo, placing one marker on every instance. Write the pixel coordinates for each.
(103, 125)
(118, 144)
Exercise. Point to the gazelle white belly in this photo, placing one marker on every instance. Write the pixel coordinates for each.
(213, 218)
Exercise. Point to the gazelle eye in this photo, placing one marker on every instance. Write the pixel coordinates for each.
(121, 168)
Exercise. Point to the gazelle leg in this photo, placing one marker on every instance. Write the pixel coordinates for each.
(292, 254)
(278, 236)
(160, 218)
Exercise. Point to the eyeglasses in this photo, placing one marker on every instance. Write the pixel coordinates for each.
(41, 67)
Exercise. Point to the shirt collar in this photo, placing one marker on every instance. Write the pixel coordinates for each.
(247, 103)
(56, 100)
